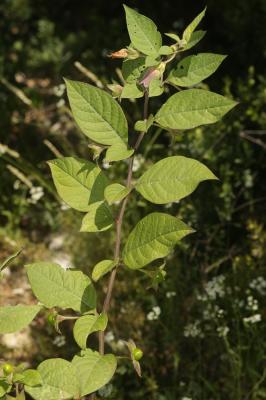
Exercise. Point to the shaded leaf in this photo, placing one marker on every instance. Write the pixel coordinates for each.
(98, 218)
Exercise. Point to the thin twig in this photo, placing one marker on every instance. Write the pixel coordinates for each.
(17, 92)
(89, 74)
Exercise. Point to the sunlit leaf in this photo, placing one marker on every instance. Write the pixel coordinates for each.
(86, 325)
(55, 287)
(98, 218)
(171, 179)
(15, 318)
(191, 108)
(153, 237)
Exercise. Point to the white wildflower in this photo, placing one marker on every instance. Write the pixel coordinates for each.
(36, 193)
(215, 287)
(138, 161)
(154, 314)
(193, 330)
(259, 284)
(223, 331)
(252, 304)
(253, 319)
(106, 165)
(17, 184)
(59, 341)
(109, 337)
(60, 103)
(170, 294)
(59, 90)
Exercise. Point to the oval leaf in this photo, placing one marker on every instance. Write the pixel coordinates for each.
(191, 108)
(118, 152)
(55, 287)
(102, 268)
(115, 193)
(60, 374)
(97, 114)
(153, 237)
(194, 69)
(98, 219)
(94, 370)
(171, 179)
(15, 318)
(78, 182)
(143, 32)
(86, 325)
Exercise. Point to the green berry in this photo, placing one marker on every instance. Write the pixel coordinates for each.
(51, 319)
(137, 354)
(8, 369)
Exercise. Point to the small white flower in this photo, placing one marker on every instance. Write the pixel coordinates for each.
(223, 331)
(59, 90)
(64, 206)
(109, 337)
(36, 193)
(170, 294)
(137, 163)
(59, 341)
(193, 330)
(154, 314)
(106, 165)
(253, 319)
(17, 184)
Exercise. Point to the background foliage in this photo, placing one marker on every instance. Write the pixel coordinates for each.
(203, 332)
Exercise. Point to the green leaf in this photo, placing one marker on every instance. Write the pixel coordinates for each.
(118, 152)
(78, 182)
(144, 125)
(102, 268)
(47, 392)
(153, 237)
(9, 260)
(4, 388)
(173, 36)
(195, 39)
(194, 69)
(30, 377)
(172, 179)
(115, 193)
(191, 108)
(55, 287)
(166, 51)
(98, 115)
(86, 325)
(151, 61)
(60, 374)
(132, 69)
(15, 318)
(192, 26)
(94, 370)
(98, 218)
(156, 88)
(131, 91)
(143, 32)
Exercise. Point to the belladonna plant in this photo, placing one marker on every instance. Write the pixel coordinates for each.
(149, 68)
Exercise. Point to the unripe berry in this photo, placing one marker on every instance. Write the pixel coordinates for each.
(8, 369)
(137, 354)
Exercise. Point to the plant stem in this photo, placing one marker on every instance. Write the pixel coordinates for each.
(119, 222)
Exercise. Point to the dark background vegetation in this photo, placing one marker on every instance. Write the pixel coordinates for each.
(193, 350)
